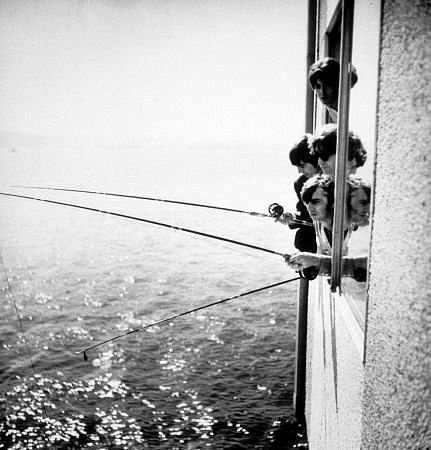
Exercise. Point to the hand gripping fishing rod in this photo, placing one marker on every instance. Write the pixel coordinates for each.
(175, 316)
(152, 222)
(275, 210)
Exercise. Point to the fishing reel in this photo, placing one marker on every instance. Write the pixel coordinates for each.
(309, 273)
(275, 210)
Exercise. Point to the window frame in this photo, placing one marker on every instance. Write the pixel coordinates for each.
(338, 44)
(347, 10)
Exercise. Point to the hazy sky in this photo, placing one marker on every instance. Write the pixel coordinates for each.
(176, 69)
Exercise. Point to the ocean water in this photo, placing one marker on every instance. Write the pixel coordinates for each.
(220, 378)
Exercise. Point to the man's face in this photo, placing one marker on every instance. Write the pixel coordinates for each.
(328, 95)
(360, 212)
(307, 169)
(318, 206)
(328, 167)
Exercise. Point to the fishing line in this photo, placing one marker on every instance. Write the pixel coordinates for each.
(152, 222)
(32, 283)
(275, 210)
(175, 316)
(17, 314)
(23, 259)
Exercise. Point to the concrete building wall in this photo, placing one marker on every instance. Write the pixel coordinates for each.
(397, 386)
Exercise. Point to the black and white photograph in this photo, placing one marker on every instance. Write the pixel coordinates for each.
(214, 224)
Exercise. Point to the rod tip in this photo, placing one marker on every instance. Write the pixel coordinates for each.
(85, 357)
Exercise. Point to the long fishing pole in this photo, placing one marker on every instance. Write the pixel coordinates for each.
(152, 222)
(275, 210)
(175, 316)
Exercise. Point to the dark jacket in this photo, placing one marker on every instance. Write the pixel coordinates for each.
(305, 238)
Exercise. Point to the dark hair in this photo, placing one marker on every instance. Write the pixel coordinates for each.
(355, 183)
(328, 71)
(325, 144)
(300, 152)
(325, 182)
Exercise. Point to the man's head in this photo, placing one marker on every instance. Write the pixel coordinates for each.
(301, 158)
(358, 201)
(318, 196)
(324, 76)
(324, 146)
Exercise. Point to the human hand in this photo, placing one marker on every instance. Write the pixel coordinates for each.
(286, 218)
(302, 260)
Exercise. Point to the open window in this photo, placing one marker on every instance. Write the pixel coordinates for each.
(357, 113)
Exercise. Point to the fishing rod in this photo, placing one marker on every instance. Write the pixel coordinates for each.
(175, 316)
(152, 222)
(275, 210)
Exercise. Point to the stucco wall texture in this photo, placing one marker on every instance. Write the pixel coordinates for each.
(397, 381)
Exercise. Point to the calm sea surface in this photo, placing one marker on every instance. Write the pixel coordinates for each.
(221, 378)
